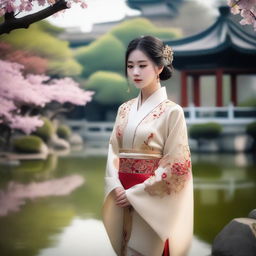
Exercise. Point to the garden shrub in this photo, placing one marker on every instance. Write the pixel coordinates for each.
(64, 132)
(46, 131)
(27, 144)
(251, 129)
(209, 130)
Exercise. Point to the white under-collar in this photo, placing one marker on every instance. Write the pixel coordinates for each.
(156, 97)
(135, 116)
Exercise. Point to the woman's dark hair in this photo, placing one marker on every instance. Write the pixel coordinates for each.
(155, 49)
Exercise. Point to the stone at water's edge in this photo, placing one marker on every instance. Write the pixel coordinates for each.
(75, 139)
(237, 238)
(58, 143)
(252, 214)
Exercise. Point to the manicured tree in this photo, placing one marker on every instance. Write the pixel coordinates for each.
(32, 63)
(41, 40)
(130, 29)
(106, 53)
(23, 96)
(10, 8)
(111, 88)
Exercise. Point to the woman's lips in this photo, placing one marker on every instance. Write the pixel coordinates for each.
(137, 80)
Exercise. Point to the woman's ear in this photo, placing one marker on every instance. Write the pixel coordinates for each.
(160, 69)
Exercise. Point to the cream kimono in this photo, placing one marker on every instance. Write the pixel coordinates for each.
(163, 203)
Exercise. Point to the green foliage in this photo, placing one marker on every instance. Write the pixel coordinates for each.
(111, 88)
(69, 67)
(28, 144)
(251, 129)
(63, 131)
(248, 103)
(37, 40)
(209, 130)
(46, 131)
(106, 53)
(133, 28)
(48, 27)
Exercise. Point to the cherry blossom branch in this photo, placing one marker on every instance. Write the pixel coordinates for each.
(10, 22)
(246, 8)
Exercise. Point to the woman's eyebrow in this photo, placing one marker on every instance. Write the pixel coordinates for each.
(129, 61)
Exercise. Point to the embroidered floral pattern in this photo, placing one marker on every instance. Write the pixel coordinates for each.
(176, 171)
(172, 180)
(131, 165)
(145, 145)
(123, 119)
(158, 111)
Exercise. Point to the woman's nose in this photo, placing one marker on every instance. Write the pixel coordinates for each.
(136, 71)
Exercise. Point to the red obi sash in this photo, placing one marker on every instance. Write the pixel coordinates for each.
(134, 171)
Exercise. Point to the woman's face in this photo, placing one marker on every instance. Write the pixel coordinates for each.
(141, 70)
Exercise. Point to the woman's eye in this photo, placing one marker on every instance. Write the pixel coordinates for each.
(143, 66)
(129, 66)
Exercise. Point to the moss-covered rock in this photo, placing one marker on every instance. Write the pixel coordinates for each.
(64, 132)
(28, 144)
(46, 131)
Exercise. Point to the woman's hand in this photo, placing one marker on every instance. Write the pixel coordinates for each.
(120, 197)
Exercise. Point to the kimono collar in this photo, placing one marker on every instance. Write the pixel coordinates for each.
(153, 100)
(136, 116)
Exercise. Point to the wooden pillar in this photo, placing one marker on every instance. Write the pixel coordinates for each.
(184, 91)
(219, 101)
(233, 89)
(196, 90)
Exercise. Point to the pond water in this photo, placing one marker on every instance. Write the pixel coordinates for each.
(52, 207)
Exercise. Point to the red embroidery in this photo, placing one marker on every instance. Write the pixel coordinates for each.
(172, 180)
(123, 118)
(145, 144)
(131, 165)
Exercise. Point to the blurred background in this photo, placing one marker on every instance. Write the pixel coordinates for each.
(59, 102)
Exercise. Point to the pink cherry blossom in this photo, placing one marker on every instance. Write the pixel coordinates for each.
(246, 8)
(27, 5)
(17, 90)
(27, 124)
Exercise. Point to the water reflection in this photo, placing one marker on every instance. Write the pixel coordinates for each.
(65, 218)
(82, 237)
(14, 196)
(224, 186)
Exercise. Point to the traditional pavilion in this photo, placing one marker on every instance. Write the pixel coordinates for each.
(223, 48)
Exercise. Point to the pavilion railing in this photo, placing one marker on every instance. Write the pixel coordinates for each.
(223, 115)
(233, 119)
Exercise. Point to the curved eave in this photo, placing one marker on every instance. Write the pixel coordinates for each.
(217, 50)
(246, 37)
(234, 36)
(196, 37)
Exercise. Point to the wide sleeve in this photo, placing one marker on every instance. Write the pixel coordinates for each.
(111, 174)
(165, 200)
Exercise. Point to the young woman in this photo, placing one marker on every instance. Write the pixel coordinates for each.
(148, 204)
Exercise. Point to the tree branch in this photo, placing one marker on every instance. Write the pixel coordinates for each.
(10, 23)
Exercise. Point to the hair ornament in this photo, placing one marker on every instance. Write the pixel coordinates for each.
(167, 55)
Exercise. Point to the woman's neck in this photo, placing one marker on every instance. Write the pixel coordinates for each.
(147, 91)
